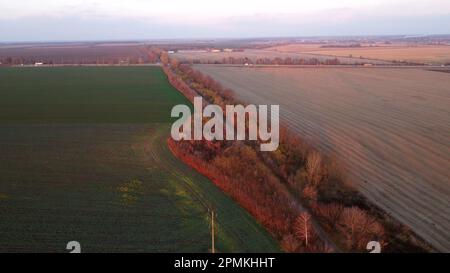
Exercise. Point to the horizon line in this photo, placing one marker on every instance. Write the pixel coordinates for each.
(402, 35)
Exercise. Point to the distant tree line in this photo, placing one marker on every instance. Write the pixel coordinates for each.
(356, 45)
(266, 61)
(72, 60)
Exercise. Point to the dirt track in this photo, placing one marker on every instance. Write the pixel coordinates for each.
(390, 126)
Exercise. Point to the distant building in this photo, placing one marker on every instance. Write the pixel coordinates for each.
(215, 50)
(171, 52)
(38, 64)
(228, 50)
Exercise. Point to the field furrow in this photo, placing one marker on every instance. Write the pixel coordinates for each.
(390, 133)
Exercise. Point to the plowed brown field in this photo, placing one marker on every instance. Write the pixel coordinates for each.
(391, 128)
(254, 54)
(435, 54)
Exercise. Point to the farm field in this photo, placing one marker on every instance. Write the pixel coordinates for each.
(74, 53)
(84, 157)
(391, 131)
(436, 55)
(254, 54)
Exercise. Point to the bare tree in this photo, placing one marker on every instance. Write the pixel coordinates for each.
(331, 212)
(164, 58)
(174, 63)
(310, 193)
(314, 168)
(289, 243)
(303, 228)
(360, 228)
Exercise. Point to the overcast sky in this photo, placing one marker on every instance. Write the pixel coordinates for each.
(57, 20)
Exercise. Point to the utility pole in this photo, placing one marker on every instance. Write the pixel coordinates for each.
(212, 231)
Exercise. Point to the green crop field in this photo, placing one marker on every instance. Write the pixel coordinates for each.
(83, 157)
(85, 95)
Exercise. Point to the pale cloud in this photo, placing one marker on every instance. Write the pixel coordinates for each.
(118, 19)
(203, 10)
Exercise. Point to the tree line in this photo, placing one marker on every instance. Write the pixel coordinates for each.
(266, 61)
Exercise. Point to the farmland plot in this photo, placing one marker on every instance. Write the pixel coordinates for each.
(435, 55)
(74, 53)
(391, 128)
(254, 54)
(84, 157)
